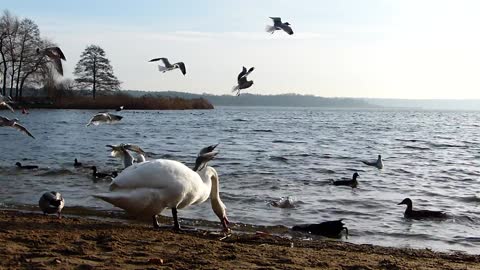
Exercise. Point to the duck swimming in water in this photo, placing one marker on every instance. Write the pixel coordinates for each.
(77, 164)
(327, 228)
(351, 183)
(419, 214)
(99, 175)
(377, 164)
(51, 202)
(26, 167)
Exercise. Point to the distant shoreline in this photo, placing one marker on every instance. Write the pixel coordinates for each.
(113, 102)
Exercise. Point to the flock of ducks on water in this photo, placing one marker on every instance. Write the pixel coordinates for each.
(144, 188)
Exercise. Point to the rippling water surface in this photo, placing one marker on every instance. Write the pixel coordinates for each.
(268, 153)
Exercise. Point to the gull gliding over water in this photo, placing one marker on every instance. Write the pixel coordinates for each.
(4, 102)
(278, 25)
(56, 55)
(169, 66)
(242, 81)
(104, 117)
(5, 122)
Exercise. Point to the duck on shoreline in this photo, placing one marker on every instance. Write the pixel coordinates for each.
(419, 214)
(51, 202)
(328, 228)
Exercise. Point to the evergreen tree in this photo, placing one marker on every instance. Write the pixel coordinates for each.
(94, 69)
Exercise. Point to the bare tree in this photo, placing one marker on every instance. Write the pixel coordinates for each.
(94, 69)
(29, 40)
(21, 63)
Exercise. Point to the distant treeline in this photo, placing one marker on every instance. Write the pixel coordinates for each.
(113, 100)
(284, 100)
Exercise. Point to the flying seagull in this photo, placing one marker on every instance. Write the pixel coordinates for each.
(278, 25)
(104, 117)
(56, 55)
(242, 80)
(169, 66)
(4, 102)
(5, 122)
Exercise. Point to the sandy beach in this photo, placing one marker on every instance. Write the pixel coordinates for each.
(34, 241)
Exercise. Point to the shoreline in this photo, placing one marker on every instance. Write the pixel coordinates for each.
(32, 240)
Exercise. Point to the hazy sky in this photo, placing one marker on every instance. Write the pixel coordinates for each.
(341, 48)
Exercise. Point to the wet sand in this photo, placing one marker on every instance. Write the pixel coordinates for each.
(34, 241)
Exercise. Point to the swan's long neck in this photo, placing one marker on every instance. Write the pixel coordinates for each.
(215, 189)
(210, 179)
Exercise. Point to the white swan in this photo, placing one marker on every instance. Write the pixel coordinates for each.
(378, 163)
(146, 189)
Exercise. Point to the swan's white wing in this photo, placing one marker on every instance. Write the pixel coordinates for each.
(136, 201)
(157, 174)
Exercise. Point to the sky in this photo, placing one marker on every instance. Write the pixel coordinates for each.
(410, 49)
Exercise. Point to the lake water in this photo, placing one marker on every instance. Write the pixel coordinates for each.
(268, 153)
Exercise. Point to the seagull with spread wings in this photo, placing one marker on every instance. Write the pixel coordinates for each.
(4, 100)
(104, 117)
(278, 25)
(56, 55)
(5, 122)
(169, 66)
(242, 81)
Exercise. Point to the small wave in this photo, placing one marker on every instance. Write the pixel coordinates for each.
(285, 141)
(240, 120)
(56, 172)
(446, 145)
(416, 147)
(284, 202)
(277, 158)
(472, 198)
(263, 130)
(408, 140)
